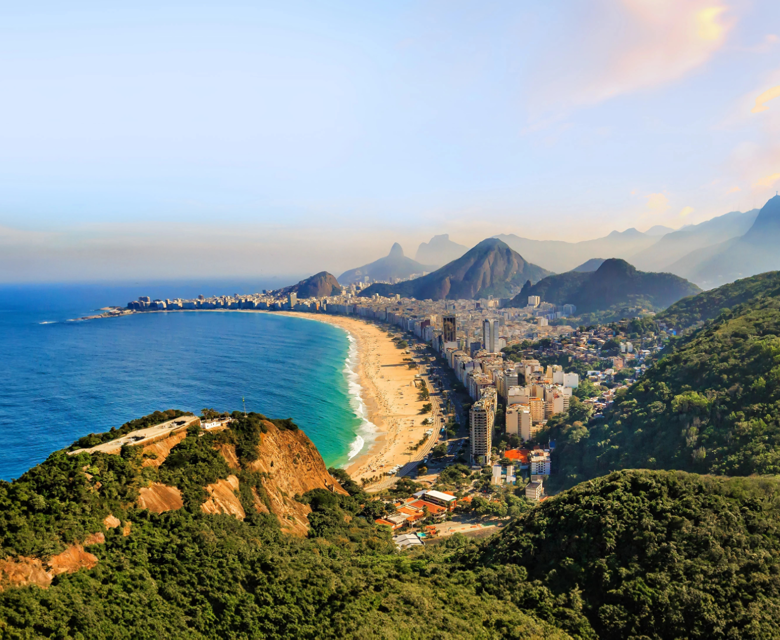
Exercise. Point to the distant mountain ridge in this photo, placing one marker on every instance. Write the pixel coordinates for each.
(673, 250)
(559, 256)
(614, 282)
(394, 265)
(754, 252)
(439, 251)
(320, 285)
(490, 268)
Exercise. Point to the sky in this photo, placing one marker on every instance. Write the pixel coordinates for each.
(179, 140)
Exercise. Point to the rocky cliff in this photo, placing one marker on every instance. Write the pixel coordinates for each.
(252, 465)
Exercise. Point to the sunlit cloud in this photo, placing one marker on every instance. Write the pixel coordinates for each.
(657, 202)
(733, 190)
(686, 211)
(765, 97)
(767, 181)
(629, 46)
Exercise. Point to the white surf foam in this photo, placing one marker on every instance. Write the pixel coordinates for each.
(366, 431)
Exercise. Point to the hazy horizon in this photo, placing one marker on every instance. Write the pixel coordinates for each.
(168, 141)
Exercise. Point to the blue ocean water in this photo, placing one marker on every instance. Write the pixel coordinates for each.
(60, 380)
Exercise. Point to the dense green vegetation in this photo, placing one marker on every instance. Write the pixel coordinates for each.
(710, 304)
(185, 574)
(648, 554)
(712, 405)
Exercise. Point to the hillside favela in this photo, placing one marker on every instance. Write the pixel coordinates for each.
(403, 321)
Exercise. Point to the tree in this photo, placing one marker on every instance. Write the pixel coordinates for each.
(439, 451)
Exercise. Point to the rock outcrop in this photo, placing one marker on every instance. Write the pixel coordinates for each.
(159, 497)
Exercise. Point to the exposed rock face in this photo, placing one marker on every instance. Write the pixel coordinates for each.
(224, 498)
(111, 521)
(159, 498)
(161, 449)
(23, 571)
(295, 467)
(289, 461)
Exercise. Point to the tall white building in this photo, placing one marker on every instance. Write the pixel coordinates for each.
(482, 418)
(490, 335)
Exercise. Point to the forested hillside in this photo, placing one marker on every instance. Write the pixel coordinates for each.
(710, 304)
(712, 405)
(652, 554)
(633, 555)
(99, 565)
(614, 282)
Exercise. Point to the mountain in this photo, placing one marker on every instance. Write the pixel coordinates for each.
(320, 285)
(591, 265)
(754, 252)
(241, 532)
(490, 268)
(658, 230)
(439, 251)
(238, 533)
(710, 405)
(393, 265)
(651, 554)
(615, 282)
(670, 252)
(710, 304)
(558, 256)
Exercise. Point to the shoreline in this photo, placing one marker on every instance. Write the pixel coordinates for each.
(385, 391)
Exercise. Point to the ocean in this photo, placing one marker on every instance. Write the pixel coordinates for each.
(60, 380)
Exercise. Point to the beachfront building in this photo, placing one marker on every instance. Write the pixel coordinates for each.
(482, 417)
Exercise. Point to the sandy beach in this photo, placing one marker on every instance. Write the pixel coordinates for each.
(389, 392)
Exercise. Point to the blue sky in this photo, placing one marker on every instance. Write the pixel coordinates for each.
(174, 139)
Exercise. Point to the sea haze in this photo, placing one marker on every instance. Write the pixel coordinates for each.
(61, 380)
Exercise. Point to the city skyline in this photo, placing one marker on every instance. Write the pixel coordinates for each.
(164, 141)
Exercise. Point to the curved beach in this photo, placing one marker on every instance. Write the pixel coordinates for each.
(388, 392)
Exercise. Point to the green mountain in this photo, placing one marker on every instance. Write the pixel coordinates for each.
(711, 405)
(241, 532)
(710, 304)
(320, 285)
(615, 282)
(490, 268)
(394, 265)
(650, 554)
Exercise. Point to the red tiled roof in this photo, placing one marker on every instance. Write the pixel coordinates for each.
(517, 454)
(432, 508)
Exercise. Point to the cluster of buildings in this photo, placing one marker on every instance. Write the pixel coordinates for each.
(421, 505)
